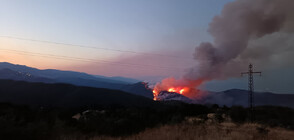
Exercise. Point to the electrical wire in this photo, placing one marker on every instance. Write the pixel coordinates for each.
(89, 60)
(91, 47)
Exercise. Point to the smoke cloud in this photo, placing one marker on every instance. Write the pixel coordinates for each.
(247, 31)
(240, 34)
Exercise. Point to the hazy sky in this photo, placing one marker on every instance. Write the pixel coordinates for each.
(162, 33)
(167, 27)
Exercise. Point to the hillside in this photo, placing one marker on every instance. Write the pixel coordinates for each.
(235, 97)
(65, 95)
(56, 74)
(240, 97)
(29, 74)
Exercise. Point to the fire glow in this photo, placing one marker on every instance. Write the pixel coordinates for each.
(172, 89)
(177, 90)
(184, 87)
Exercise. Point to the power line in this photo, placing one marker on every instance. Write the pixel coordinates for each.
(91, 47)
(87, 60)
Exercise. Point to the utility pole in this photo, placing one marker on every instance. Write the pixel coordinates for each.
(250, 90)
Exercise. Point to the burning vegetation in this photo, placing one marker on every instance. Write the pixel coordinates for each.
(186, 88)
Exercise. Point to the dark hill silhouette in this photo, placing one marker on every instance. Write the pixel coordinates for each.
(24, 73)
(65, 95)
(240, 97)
(140, 88)
(54, 74)
(235, 97)
(21, 76)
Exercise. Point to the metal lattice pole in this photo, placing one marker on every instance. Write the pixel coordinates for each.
(251, 90)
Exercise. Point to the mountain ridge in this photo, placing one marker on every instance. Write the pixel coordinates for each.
(75, 78)
(65, 95)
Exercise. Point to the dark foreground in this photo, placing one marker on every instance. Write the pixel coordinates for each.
(203, 131)
(161, 121)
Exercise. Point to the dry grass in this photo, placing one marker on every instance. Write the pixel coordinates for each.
(206, 131)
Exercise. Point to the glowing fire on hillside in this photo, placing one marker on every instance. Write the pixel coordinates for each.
(179, 90)
(183, 87)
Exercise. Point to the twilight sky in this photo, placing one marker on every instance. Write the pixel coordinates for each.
(162, 33)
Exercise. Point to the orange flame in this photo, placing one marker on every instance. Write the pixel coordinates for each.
(155, 94)
(182, 91)
(185, 87)
(171, 90)
(177, 90)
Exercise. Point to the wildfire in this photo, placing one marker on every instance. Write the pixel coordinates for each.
(179, 90)
(171, 90)
(155, 94)
(182, 91)
(183, 87)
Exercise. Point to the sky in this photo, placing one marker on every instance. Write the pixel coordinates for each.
(143, 39)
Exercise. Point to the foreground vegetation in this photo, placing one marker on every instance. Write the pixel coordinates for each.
(204, 131)
(167, 120)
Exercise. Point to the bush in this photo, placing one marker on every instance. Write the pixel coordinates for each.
(238, 114)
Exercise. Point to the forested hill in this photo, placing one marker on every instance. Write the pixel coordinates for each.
(65, 95)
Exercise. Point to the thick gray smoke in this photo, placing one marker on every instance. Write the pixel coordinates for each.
(242, 33)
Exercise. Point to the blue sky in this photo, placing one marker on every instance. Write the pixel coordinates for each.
(154, 26)
(112, 23)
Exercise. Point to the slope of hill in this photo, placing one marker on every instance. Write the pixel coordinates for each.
(24, 73)
(21, 76)
(172, 96)
(56, 74)
(240, 97)
(236, 97)
(65, 95)
(139, 88)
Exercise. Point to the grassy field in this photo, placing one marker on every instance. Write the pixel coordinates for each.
(204, 131)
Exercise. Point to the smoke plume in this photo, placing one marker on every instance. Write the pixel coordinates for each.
(240, 23)
(256, 31)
